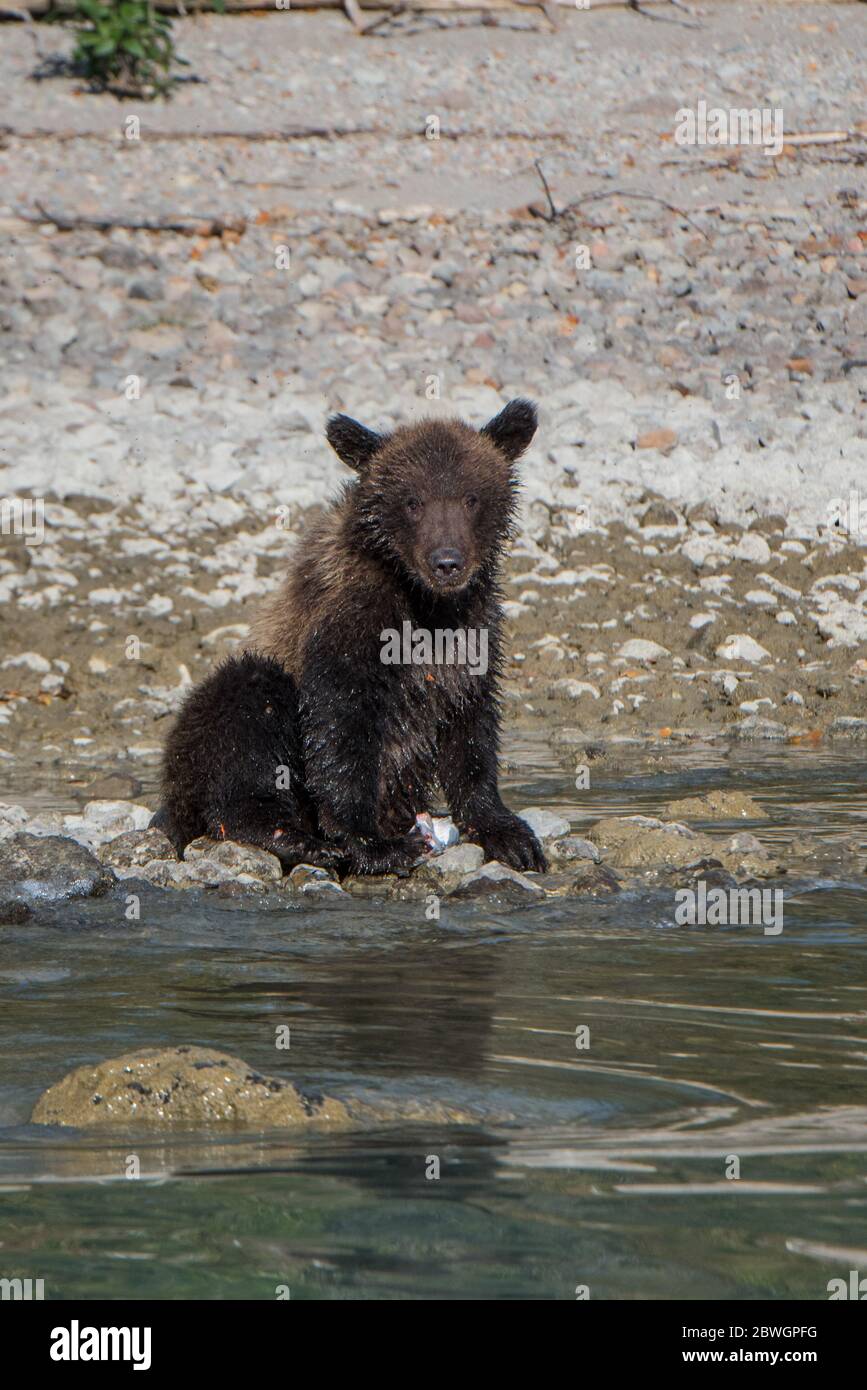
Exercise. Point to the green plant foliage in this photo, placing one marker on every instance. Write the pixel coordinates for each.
(122, 43)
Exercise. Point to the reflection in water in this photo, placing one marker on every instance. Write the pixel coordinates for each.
(609, 1164)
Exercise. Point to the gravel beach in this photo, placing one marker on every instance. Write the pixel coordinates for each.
(691, 559)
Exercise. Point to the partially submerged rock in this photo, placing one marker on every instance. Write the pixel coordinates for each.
(14, 912)
(715, 805)
(50, 869)
(593, 881)
(570, 849)
(846, 726)
(637, 842)
(755, 726)
(189, 1087)
(497, 881)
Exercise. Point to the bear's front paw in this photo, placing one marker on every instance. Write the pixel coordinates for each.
(511, 842)
(385, 856)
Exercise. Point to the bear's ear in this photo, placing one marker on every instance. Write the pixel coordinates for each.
(513, 428)
(355, 444)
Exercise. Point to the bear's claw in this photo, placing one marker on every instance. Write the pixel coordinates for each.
(511, 842)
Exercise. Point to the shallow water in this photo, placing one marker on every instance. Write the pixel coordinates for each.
(603, 1167)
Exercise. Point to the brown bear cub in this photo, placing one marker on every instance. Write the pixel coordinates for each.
(373, 675)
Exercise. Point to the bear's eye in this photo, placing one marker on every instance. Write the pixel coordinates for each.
(413, 506)
(471, 501)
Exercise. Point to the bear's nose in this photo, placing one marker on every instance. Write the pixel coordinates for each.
(445, 563)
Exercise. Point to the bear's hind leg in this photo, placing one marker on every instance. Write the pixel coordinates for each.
(266, 822)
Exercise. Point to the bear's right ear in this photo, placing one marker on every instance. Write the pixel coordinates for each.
(355, 444)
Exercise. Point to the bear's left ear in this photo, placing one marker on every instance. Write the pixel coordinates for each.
(355, 444)
(513, 428)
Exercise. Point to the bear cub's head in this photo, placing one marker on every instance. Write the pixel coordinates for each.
(436, 498)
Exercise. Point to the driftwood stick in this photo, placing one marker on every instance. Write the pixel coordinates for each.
(186, 226)
(193, 7)
(288, 133)
(353, 11)
(823, 137)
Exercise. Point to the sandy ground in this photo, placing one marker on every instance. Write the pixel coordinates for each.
(692, 330)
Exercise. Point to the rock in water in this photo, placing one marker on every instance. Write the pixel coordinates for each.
(50, 868)
(496, 881)
(637, 842)
(187, 1087)
(718, 804)
(545, 825)
(14, 913)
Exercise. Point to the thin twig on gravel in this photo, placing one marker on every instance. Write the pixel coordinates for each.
(537, 164)
(645, 197)
(663, 19)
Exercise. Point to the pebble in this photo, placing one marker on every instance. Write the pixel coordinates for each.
(639, 649)
(740, 646)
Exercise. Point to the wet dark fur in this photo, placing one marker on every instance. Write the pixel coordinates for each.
(362, 745)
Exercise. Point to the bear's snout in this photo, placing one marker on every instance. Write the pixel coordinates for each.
(446, 563)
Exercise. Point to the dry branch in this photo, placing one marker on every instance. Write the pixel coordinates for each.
(186, 226)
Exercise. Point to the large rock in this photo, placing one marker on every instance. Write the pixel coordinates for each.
(49, 868)
(639, 842)
(239, 858)
(186, 1087)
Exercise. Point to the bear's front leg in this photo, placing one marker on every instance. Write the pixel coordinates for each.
(352, 720)
(467, 769)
